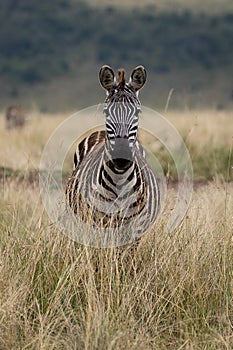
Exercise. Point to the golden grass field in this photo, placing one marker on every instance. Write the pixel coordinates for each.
(174, 292)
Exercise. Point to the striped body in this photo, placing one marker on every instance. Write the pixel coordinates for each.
(112, 185)
(15, 117)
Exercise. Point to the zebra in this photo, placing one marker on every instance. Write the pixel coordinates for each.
(15, 117)
(112, 185)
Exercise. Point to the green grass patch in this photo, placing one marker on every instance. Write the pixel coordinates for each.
(209, 162)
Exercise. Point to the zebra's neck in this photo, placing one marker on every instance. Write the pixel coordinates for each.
(116, 185)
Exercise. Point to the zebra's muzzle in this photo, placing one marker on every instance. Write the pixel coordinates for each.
(121, 154)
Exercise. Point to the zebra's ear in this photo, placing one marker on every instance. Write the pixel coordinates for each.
(138, 78)
(107, 77)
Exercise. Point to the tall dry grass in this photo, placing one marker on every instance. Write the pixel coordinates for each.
(174, 292)
(207, 134)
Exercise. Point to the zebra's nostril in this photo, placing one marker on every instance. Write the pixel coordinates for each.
(122, 163)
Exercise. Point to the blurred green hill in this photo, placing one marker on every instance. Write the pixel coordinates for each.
(51, 52)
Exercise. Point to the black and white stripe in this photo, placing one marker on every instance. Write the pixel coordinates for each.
(112, 184)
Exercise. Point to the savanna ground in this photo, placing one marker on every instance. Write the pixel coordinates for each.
(174, 292)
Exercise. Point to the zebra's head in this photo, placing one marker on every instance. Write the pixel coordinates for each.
(122, 108)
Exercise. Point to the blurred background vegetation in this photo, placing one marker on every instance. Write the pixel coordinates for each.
(51, 51)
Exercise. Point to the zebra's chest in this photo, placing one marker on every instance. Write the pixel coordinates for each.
(101, 192)
(101, 185)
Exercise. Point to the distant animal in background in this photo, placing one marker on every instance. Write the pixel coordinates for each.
(15, 117)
